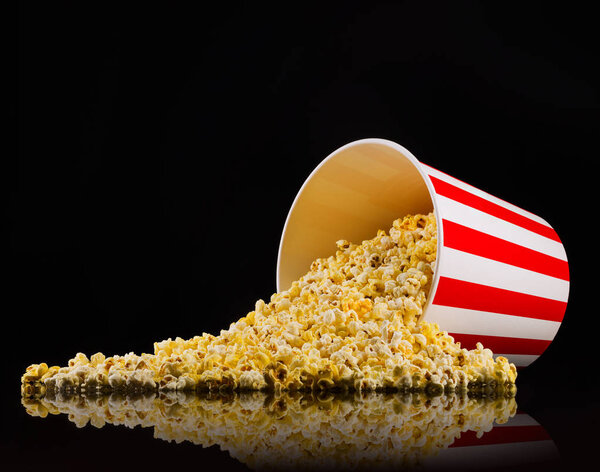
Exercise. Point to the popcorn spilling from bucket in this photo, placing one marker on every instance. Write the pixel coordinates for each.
(351, 323)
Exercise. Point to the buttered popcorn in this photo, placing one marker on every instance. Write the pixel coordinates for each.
(352, 322)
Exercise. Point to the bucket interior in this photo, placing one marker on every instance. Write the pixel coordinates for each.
(358, 189)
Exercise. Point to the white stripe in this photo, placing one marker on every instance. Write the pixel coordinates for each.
(522, 419)
(471, 268)
(485, 195)
(467, 216)
(464, 321)
(519, 360)
(492, 455)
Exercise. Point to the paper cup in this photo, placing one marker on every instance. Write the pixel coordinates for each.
(501, 276)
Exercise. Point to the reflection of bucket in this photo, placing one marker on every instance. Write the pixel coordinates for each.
(521, 441)
(501, 274)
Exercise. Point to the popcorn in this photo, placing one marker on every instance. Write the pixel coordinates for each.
(351, 322)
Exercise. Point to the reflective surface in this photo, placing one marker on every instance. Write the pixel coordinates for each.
(325, 432)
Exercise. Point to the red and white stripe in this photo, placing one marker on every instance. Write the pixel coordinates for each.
(502, 276)
(521, 440)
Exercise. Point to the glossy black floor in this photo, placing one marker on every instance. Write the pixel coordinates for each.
(566, 438)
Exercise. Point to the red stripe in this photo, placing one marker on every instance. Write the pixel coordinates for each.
(472, 296)
(503, 435)
(502, 344)
(482, 244)
(462, 196)
(469, 185)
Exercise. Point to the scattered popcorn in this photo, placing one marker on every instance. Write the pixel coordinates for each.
(295, 431)
(351, 323)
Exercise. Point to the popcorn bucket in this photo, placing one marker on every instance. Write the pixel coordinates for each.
(501, 276)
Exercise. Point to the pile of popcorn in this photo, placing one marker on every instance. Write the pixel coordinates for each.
(295, 431)
(352, 322)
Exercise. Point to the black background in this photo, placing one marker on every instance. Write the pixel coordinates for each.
(159, 149)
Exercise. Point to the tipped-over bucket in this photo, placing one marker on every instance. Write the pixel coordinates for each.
(501, 276)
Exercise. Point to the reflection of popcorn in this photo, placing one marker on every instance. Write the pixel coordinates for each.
(295, 431)
(349, 323)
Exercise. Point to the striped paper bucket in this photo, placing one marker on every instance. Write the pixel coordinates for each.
(501, 276)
